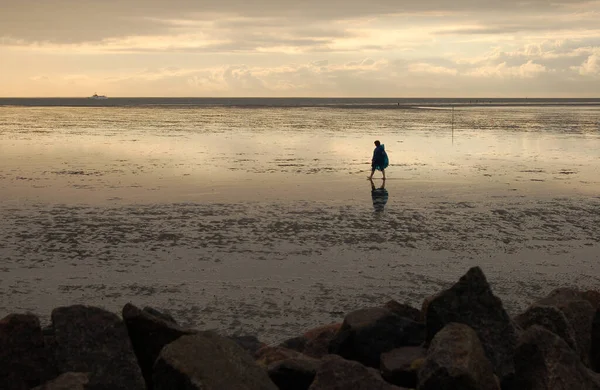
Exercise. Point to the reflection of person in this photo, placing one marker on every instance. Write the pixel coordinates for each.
(380, 196)
(380, 159)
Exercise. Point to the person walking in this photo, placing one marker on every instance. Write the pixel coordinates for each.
(380, 160)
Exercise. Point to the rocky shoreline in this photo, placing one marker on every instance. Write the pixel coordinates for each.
(461, 338)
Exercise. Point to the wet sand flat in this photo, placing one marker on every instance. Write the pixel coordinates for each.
(262, 220)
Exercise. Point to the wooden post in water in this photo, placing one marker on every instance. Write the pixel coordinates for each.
(452, 125)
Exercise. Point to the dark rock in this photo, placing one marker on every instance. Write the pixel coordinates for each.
(25, 359)
(366, 334)
(249, 343)
(271, 354)
(593, 297)
(404, 310)
(318, 340)
(544, 361)
(208, 361)
(66, 381)
(162, 315)
(580, 314)
(314, 342)
(551, 318)
(294, 374)
(336, 373)
(90, 339)
(563, 294)
(401, 365)
(456, 360)
(297, 343)
(424, 307)
(471, 302)
(149, 333)
(595, 349)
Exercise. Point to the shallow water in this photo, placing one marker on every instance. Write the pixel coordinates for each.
(261, 220)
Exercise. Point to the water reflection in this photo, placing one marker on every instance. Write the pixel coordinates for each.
(379, 195)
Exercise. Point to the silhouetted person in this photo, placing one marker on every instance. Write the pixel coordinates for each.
(380, 159)
(380, 196)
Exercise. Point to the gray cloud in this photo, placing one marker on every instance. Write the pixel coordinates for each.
(93, 20)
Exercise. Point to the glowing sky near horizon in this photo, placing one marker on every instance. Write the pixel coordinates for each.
(312, 48)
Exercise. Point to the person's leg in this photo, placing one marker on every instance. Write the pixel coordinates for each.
(372, 172)
(383, 171)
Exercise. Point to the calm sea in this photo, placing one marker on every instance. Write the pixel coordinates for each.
(293, 102)
(255, 215)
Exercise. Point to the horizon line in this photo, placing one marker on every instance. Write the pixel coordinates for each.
(290, 97)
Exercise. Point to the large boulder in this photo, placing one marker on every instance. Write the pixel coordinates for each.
(336, 373)
(294, 374)
(471, 302)
(314, 342)
(249, 343)
(456, 360)
(207, 361)
(401, 365)
(318, 340)
(404, 310)
(66, 381)
(160, 314)
(544, 361)
(271, 354)
(150, 331)
(595, 349)
(93, 340)
(551, 318)
(593, 297)
(367, 333)
(25, 359)
(580, 314)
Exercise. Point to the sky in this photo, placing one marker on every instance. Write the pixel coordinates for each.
(303, 48)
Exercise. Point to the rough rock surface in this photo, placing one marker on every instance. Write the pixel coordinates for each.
(207, 361)
(404, 310)
(90, 339)
(336, 373)
(544, 361)
(25, 361)
(551, 318)
(595, 350)
(249, 343)
(580, 314)
(366, 334)
(314, 342)
(66, 381)
(400, 366)
(271, 354)
(150, 331)
(156, 313)
(593, 297)
(471, 302)
(456, 360)
(425, 306)
(294, 374)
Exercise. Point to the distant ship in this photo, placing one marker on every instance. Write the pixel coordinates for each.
(98, 97)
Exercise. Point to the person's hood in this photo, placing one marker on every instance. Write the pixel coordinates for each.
(382, 146)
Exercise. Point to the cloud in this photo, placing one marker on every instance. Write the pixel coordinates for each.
(591, 66)
(309, 48)
(524, 71)
(366, 77)
(422, 67)
(70, 21)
